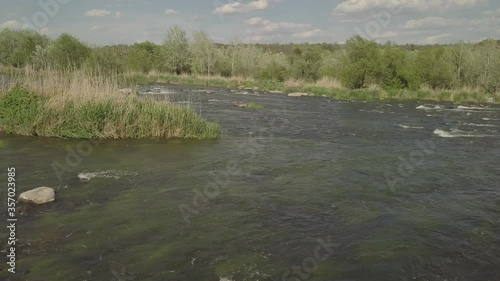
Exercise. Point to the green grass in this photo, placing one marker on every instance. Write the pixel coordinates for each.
(255, 106)
(25, 113)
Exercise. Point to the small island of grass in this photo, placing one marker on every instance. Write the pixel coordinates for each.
(77, 105)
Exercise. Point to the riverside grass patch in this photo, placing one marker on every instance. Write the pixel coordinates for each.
(25, 113)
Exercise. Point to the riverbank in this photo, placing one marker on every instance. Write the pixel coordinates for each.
(325, 87)
(75, 105)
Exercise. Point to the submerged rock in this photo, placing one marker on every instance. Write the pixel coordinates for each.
(38, 196)
(241, 105)
(298, 95)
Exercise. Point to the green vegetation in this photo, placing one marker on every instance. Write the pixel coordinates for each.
(461, 72)
(77, 106)
(254, 106)
(3, 144)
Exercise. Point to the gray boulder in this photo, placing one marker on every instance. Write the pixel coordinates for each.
(38, 196)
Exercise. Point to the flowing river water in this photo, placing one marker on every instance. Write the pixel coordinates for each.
(305, 188)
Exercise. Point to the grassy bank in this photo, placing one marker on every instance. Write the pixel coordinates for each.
(326, 87)
(75, 105)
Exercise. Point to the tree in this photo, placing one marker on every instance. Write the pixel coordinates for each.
(360, 63)
(433, 69)
(177, 53)
(305, 62)
(203, 52)
(17, 48)
(392, 68)
(68, 52)
(487, 60)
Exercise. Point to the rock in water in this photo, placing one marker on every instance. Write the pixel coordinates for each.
(241, 105)
(38, 196)
(298, 94)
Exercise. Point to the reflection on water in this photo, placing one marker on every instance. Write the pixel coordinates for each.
(254, 204)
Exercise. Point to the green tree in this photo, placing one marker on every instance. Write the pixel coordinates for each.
(305, 62)
(203, 53)
(68, 52)
(392, 68)
(176, 46)
(432, 68)
(360, 63)
(17, 48)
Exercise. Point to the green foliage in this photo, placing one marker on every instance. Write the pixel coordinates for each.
(68, 52)
(360, 63)
(144, 57)
(176, 46)
(392, 68)
(305, 63)
(19, 110)
(107, 60)
(432, 68)
(17, 48)
(22, 112)
(254, 106)
(273, 72)
(357, 64)
(203, 53)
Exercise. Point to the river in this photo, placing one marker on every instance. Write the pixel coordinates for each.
(305, 188)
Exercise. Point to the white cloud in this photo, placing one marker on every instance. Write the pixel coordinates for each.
(238, 7)
(13, 24)
(435, 39)
(264, 38)
(387, 35)
(308, 34)
(353, 6)
(266, 30)
(119, 15)
(269, 26)
(94, 27)
(430, 21)
(486, 22)
(257, 21)
(171, 12)
(492, 13)
(97, 13)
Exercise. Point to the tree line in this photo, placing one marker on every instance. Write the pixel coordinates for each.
(358, 63)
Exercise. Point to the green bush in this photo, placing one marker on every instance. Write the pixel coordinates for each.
(67, 52)
(19, 110)
(361, 63)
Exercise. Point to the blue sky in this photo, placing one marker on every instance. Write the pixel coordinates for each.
(264, 21)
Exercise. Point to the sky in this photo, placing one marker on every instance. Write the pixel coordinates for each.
(104, 22)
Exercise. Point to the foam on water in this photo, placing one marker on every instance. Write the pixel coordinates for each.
(409, 127)
(429, 107)
(457, 134)
(460, 107)
(374, 111)
(86, 176)
(479, 125)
